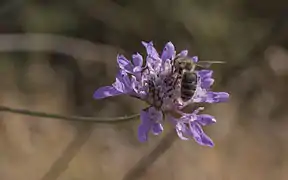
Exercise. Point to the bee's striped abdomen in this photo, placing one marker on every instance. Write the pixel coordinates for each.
(188, 85)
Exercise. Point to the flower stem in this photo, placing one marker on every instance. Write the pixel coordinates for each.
(103, 120)
(139, 169)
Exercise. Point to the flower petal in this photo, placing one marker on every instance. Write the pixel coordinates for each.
(196, 131)
(151, 51)
(168, 51)
(119, 83)
(217, 97)
(153, 60)
(137, 88)
(149, 121)
(199, 136)
(137, 60)
(206, 140)
(157, 128)
(142, 133)
(124, 63)
(127, 83)
(205, 119)
(222, 96)
(106, 91)
(205, 73)
(181, 130)
(123, 82)
(195, 58)
(137, 69)
(144, 127)
(207, 83)
(183, 53)
(154, 114)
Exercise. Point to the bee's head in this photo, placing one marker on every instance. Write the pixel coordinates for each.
(184, 63)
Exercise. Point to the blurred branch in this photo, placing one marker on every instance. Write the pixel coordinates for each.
(142, 165)
(103, 120)
(29, 42)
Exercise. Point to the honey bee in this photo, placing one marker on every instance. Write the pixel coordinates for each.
(184, 67)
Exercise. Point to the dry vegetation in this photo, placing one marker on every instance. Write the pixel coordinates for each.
(71, 50)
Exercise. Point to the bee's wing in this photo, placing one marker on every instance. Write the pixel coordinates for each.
(207, 64)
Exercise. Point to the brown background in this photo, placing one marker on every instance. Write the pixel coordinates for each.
(71, 50)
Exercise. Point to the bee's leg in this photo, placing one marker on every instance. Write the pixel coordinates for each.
(172, 66)
(176, 79)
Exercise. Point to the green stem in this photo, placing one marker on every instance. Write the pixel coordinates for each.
(104, 120)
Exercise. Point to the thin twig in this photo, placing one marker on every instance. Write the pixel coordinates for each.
(143, 164)
(103, 120)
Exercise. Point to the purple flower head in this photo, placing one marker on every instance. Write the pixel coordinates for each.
(157, 83)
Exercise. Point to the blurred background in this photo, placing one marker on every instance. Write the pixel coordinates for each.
(54, 54)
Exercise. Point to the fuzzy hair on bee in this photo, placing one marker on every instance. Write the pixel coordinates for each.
(185, 67)
(185, 70)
